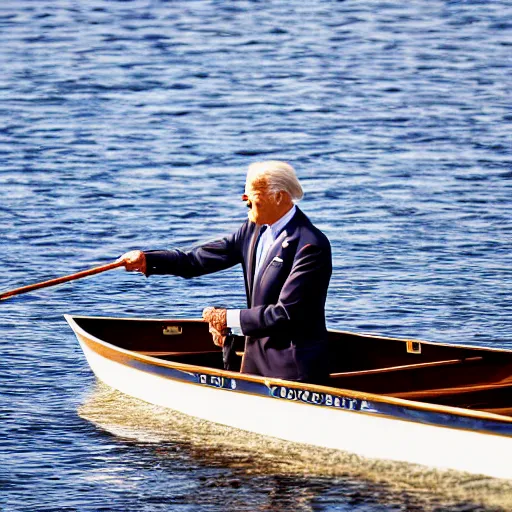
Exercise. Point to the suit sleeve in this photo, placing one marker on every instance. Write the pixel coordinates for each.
(302, 297)
(204, 259)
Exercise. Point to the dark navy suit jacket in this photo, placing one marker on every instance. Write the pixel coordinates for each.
(284, 323)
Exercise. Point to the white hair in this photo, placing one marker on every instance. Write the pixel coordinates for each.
(278, 176)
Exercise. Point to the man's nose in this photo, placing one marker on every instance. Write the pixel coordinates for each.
(248, 202)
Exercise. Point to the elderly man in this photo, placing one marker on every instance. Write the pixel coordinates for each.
(287, 267)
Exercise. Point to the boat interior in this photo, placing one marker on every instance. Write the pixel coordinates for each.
(460, 376)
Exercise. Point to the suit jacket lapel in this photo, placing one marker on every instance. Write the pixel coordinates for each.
(287, 237)
(273, 251)
(279, 248)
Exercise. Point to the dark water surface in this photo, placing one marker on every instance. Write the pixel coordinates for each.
(129, 124)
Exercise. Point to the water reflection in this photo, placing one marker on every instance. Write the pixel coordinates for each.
(253, 472)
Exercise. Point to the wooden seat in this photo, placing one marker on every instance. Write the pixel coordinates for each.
(415, 366)
(476, 378)
(166, 353)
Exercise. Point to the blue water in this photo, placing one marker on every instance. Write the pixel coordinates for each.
(129, 124)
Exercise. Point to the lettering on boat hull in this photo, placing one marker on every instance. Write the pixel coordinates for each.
(293, 394)
(216, 381)
(314, 398)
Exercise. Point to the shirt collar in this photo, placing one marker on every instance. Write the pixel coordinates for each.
(280, 224)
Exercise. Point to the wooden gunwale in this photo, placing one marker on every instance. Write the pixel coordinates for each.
(334, 331)
(116, 353)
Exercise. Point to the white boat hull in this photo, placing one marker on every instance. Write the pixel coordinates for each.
(366, 434)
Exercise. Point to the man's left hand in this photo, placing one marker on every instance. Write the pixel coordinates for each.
(218, 339)
(216, 317)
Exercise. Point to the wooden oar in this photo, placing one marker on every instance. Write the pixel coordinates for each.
(59, 280)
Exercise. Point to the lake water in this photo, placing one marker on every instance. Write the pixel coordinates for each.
(129, 124)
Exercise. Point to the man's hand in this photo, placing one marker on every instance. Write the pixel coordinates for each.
(134, 261)
(218, 339)
(216, 317)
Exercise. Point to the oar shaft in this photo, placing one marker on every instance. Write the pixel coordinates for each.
(59, 280)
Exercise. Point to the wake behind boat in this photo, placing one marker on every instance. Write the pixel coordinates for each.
(442, 406)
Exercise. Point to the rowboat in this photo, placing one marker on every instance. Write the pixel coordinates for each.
(442, 406)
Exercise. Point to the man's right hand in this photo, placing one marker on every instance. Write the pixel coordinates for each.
(134, 261)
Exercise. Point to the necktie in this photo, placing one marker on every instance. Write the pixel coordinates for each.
(265, 242)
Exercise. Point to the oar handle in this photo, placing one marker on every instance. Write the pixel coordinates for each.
(59, 280)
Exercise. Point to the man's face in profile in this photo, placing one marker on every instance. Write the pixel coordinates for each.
(262, 204)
